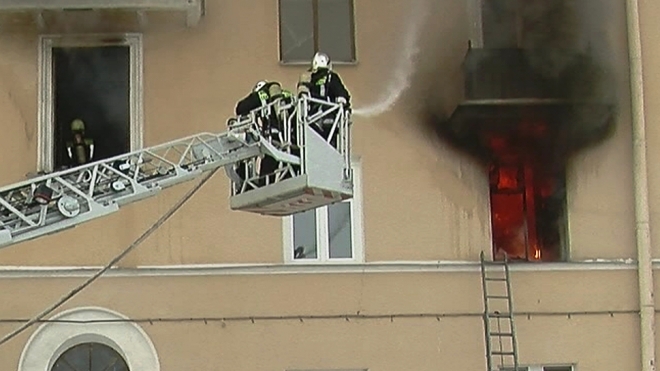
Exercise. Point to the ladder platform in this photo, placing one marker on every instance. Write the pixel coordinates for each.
(312, 171)
(288, 197)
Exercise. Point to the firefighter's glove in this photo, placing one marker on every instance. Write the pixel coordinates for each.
(344, 103)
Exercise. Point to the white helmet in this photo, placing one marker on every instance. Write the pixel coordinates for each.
(260, 85)
(321, 60)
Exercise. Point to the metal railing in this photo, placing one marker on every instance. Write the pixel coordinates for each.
(330, 120)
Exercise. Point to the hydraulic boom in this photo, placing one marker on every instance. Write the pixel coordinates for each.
(57, 201)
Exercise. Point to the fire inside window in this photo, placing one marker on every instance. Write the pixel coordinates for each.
(527, 196)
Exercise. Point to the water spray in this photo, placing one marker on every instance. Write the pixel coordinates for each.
(405, 66)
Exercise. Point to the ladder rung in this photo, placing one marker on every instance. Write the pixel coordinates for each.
(497, 297)
(495, 279)
(501, 334)
(499, 315)
(494, 263)
(504, 353)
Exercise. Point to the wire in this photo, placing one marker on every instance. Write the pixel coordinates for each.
(112, 262)
(345, 317)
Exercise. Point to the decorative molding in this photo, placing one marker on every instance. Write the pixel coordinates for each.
(324, 268)
(50, 340)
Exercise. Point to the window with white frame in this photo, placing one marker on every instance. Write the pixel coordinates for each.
(540, 368)
(327, 234)
(90, 98)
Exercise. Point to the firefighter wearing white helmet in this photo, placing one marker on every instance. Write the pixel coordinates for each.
(321, 82)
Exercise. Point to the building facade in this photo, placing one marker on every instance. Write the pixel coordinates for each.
(391, 278)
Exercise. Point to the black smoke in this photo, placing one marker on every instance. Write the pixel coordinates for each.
(531, 49)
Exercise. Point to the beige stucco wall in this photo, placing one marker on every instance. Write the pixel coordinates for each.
(600, 178)
(454, 341)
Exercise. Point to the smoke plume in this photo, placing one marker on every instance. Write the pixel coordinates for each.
(533, 49)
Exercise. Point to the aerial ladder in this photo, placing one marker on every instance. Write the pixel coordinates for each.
(313, 170)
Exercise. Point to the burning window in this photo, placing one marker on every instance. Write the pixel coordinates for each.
(527, 196)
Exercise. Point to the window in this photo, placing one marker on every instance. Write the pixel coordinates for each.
(515, 23)
(327, 234)
(308, 26)
(96, 81)
(528, 211)
(90, 357)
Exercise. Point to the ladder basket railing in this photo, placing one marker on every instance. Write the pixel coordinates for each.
(329, 120)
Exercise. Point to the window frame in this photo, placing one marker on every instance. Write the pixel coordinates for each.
(323, 252)
(46, 104)
(335, 62)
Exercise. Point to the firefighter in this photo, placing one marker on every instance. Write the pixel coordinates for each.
(264, 93)
(321, 82)
(80, 149)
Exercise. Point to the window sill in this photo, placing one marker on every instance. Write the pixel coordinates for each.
(318, 263)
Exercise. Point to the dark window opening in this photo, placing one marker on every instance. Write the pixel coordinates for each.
(92, 86)
(308, 26)
(501, 23)
(526, 24)
(90, 357)
(528, 201)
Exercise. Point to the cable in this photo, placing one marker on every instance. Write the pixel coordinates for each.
(345, 317)
(112, 262)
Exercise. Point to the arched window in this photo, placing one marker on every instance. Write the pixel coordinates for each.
(77, 334)
(90, 357)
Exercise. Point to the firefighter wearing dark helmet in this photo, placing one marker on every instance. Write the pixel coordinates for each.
(80, 148)
(321, 82)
